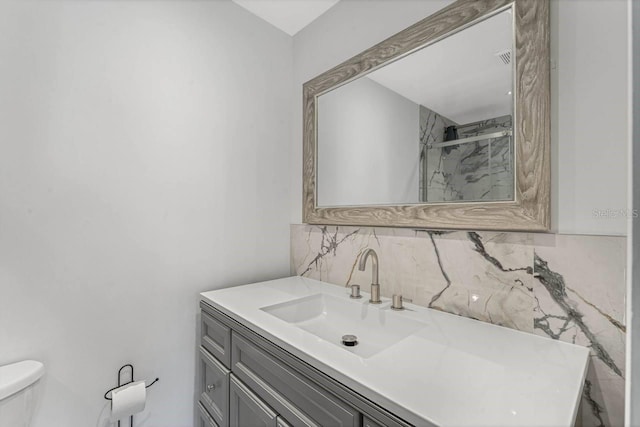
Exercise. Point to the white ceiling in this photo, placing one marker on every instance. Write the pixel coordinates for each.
(459, 77)
(288, 15)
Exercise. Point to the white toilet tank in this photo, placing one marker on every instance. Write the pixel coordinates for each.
(18, 392)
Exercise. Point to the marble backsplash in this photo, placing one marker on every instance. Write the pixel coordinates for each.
(565, 287)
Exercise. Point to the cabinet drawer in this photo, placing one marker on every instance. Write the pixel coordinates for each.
(291, 394)
(247, 409)
(216, 338)
(214, 388)
(204, 419)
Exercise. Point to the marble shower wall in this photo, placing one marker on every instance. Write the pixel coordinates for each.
(432, 126)
(481, 170)
(565, 287)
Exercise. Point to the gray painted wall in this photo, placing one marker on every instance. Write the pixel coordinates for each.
(143, 159)
(366, 117)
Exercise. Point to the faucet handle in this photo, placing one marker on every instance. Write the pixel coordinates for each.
(355, 291)
(396, 302)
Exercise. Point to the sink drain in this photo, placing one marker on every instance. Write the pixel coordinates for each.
(349, 340)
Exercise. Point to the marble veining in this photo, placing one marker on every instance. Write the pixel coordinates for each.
(572, 319)
(444, 273)
(569, 288)
(580, 293)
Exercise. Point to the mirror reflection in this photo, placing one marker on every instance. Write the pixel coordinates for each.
(434, 126)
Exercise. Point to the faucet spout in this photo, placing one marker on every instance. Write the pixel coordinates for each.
(374, 260)
(375, 286)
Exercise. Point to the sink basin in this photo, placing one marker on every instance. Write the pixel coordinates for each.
(330, 318)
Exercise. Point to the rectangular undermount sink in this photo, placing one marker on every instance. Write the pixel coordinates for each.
(330, 318)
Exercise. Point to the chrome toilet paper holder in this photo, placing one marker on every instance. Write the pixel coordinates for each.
(120, 384)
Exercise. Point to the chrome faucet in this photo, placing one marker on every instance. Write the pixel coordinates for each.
(375, 286)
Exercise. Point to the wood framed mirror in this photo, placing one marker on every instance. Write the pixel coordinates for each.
(445, 125)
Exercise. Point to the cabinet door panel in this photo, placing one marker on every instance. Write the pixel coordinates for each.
(247, 409)
(214, 388)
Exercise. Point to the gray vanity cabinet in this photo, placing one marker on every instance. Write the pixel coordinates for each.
(247, 380)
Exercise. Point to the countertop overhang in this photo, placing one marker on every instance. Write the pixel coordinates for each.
(453, 372)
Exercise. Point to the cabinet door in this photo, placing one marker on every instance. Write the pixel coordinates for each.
(214, 388)
(248, 410)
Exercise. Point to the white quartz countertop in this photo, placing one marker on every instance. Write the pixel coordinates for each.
(454, 371)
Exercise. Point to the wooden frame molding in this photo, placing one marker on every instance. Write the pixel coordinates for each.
(531, 209)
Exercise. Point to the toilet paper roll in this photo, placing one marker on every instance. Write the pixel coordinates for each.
(128, 400)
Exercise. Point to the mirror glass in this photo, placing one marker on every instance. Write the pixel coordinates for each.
(434, 126)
